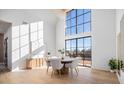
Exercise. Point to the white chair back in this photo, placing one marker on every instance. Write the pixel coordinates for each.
(48, 63)
(75, 63)
(56, 64)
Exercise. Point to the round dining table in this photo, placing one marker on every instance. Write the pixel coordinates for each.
(65, 61)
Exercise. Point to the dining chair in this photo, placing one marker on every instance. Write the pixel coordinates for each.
(74, 65)
(48, 63)
(56, 66)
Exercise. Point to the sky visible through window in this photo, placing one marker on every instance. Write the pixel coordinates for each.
(78, 21)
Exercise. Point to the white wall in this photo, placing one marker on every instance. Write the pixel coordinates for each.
(17, 17)
(103, 37)
(120, 33)
(122, 38)
(60, 34)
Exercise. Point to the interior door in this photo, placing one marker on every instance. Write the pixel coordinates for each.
(6, 52)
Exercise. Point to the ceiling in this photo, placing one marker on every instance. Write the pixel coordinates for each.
(60, 12)
(4, 26)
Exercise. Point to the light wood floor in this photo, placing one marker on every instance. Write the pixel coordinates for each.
(35, 76)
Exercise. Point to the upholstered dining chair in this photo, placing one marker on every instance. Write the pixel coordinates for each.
(48, 63)
(74, 65)
(56, 66)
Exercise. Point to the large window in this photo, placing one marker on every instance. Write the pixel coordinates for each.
(78, 21)
(15, 44)
(79, 47)
(36, 30)
(26, 38)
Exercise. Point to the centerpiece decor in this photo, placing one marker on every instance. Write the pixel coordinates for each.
(62, 51)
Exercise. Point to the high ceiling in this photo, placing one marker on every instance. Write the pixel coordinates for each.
(3, 26)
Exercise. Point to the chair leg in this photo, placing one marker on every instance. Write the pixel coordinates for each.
(76, 71)
(52, 73)
(47, 69)
(72, 72)
(59, 73)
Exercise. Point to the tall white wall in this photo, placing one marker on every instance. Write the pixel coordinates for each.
(103, 37)
(60, 35)
(17, 17)
(120, 33)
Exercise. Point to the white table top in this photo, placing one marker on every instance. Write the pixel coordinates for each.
(65, 59)
(68, 59)
(53, 57)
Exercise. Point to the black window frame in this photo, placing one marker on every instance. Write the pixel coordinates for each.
(83, 23)
(77, 43)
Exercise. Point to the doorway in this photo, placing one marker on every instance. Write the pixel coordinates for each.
(6, 52)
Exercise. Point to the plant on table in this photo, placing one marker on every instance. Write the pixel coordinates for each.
(62, 51)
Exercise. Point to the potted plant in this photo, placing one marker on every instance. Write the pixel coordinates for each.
(62, 51)
(48, 53)
(120, 64)
(113, 64)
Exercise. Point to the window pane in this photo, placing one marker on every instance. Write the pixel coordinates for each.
(73, 13)
(87, 27)
(24, 29)
(73, 49)
(15, 55)
(68, 23)
(15, 43)
(68, 44)
(73, 22)
(68, 49)
(40, 25)
(34, 36)
(86, 17)
(79, 11)
(80, 28)
(86, 10)
(73, 43)
(33, 27)
(34, 45)
(80, 19)
(24, 40)
(80, 50)
(41, 42)
(67, 31)
(40, 34)
(15, 31)
(80, 42)
(87, 42)
(73, 30)
(24, 51)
